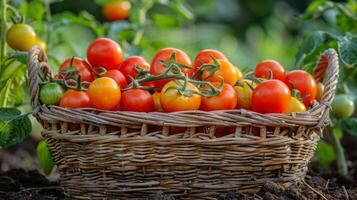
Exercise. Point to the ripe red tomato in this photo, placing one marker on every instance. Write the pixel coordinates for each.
(84, 69)
(116, 10)
(271, 96)
(226, 70)
(304, 82)
(75, 99)
(157, 67)
(225, 100)
(117, 76)
(205, 56)
(104, 93)
(171, 100)
(128, 66)
(105, 52)
(137, 100)
(264, 68)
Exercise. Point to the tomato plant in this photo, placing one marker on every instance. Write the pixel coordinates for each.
(105, 52)
(225, 100)
(75, 99)
(270, 67)
(172, 99)
(104, 93)
(271, 96)
(137, 100)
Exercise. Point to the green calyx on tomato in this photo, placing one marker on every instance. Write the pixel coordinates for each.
(51, 93)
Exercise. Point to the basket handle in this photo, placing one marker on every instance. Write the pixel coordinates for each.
(38, 61)
(327, 71)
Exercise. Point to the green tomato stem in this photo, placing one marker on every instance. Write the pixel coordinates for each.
(339, 151)
(3, 29)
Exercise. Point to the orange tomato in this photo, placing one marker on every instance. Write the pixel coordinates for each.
(171, 100)
(157, 104)
(226, 71)
(104, 93)
(225, 100)
(116, 10)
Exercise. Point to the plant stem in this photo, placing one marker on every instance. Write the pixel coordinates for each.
(339, 151)
(3, 29)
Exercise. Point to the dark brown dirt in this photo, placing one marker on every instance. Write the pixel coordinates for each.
(319, 184)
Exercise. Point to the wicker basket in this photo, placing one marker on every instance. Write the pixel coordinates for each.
(107, 154)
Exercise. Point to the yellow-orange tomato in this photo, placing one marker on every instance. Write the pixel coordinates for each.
(157, 104)
(226, 71)
(244, 93)
(320, 88)
(116, 10)
(21, 37)
(41, 43)
(295, 105)
(104, 93)
(171, 100)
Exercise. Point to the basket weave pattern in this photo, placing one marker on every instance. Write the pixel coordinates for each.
(107, 154)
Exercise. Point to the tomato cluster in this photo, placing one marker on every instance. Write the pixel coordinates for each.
(172, 82)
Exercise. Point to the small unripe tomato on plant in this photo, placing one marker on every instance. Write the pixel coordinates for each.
(21, 37)
(51, 93)
(116, 10)
(171, 100)
(342, 106)
(117, 76)
(104, 93)
(271, 96)
(105, 52)
(137, 100)
(270, 67)
(75, 99)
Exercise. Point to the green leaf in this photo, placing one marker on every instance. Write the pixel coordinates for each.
(347, 46)
(12, 79)
(316, 8)
(325, 153)
(183, 9)
(309, 45)
(45, 158)
(165, 20)
(350, 126)
(14, 127)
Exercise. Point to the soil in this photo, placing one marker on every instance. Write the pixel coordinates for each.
(318, 184)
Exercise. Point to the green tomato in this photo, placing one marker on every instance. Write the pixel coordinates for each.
(51, 93)
(342, 106)
(21, 37)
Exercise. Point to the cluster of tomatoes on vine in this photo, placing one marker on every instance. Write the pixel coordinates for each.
(173, 83)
